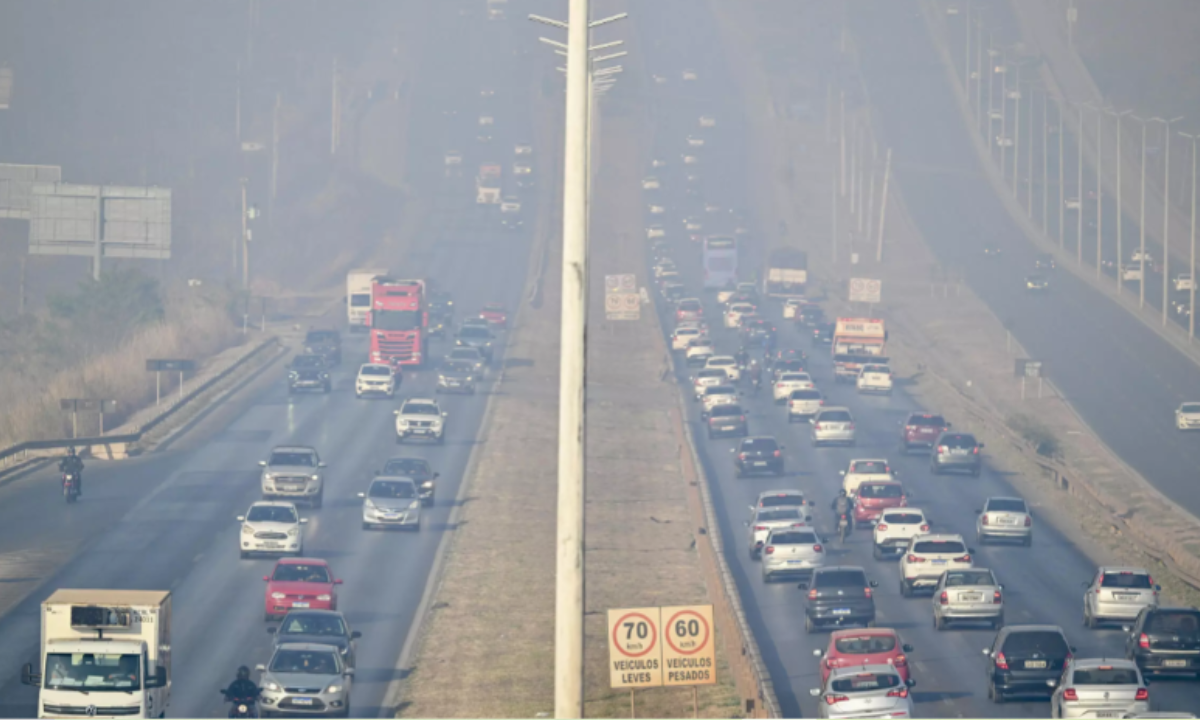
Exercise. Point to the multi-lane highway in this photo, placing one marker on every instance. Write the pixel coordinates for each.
(168, 520)
(1042, 583)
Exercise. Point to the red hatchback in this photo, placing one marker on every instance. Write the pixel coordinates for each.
(689, 310)
(495, 314)
(867, 646)
(875, 496)
(300, 583)
(921, 430)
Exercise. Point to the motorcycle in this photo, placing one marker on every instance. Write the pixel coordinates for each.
(843, 528)
(243, 707)
(70, 484)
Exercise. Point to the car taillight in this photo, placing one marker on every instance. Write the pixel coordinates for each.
(1154, 588)
(742, 418)
(1028, 521)
(867, 592)
(831, 699)
(820, 402)
(778, 385)
(898, 692)
(945, 598)
(983, 520)
(900, 661)
(778, 454)
(964, 558)
(760, 528)
(817, 426)
(915, 559)
(924, 528)
(818, 548)
(850, 426)
(812, 594)
(1070, 695)
(976, 450)
(997, 598)
(1142, 694)
(1001, 661)
(1144, 641)
(741, 456)
(770, 550)
(881, 526)
(941, 449)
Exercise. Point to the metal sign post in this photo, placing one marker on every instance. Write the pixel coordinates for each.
(160, 366)
(77, 405)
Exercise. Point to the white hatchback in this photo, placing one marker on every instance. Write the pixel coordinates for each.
(733, 316)
(896, 527)
(271, 527)
(791, 308)
(655, 231)
(802, 404)
(875, 379)
(706, 378)
(728, 363)
(651, 183)
(683, 335)
(1187, 416)
(375, 379)
(789, 381)
(928, 556)
(791, 551)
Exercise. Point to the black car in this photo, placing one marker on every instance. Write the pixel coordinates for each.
(456, 376)
(727, 420)
(758, 455)
(1023, 659)
(323, 627)
(838, 595)
(756, 330)
(1045, 261)
(416, 468)
(327, 343)
(476, 337)
(779, 367)
(810, 316)
(1165, 640)
(822, 333)
(309, 372)
(1036, 282)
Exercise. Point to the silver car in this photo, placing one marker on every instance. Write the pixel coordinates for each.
(1004, 517)
(1099, 688)
(865, 691)
(832, 425)
(791, 551)
(391, 501)
(767, 519)
(306, 679)
(964, 595)
(293, 472)
(1118, 593)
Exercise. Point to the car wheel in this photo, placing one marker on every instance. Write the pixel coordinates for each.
(1028, 541)
(318, 500)
(870, 623)
(934, 470)
(441, 439)
(244, 554)
(905, 589)
(268, 617)
(1088, 621)
(980, 538)
(938, 623)
(809, 626)
(366, 526)
(358, 395)
(992, 694)
(976, 471)
(877, 553)
(998, 623)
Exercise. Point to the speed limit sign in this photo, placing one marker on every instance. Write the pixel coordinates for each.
(688, 654)
(634, 650)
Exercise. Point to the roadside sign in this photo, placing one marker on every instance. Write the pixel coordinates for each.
(624, 283)
(172, 365)
(623, 305)
(689, 657)
(866, 290)
(634, 650)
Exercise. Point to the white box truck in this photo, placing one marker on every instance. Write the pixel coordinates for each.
(104, 654)
(358, 296)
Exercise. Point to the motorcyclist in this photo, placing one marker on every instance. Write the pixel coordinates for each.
(243, 689)
(742, 357)
(73, 464)
(754, 371)
(843, 504)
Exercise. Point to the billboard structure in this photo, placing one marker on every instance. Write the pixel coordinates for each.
(16, 181)
(100, 221)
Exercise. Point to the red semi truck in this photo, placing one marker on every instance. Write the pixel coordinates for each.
(399, 322)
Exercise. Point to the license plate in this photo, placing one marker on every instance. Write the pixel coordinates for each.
(299, 604)
(841, 611)
(971, 597)
(1008, 521)
(939, 562)
(272, 545)
(1108, 714)
(302, 700)
(760, 463)
(1035, 664)
(958, 451)
(391, 516)
(420, 431)
(1175, 663)
(1125, 596)
(795, 562)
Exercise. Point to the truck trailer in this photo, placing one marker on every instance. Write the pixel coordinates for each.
(358, 297)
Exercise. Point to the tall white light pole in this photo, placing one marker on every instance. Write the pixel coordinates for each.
(1142, 218)
(1192, 270)
(1079, 194)
(1120, 207)
(1166, 234)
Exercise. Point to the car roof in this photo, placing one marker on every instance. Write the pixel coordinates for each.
(293, 448)
(852, 670)
(301, 561)
(881, 482)
(936, 537)
(315, 611)
(421, 400)
(309, 646)
(393, 478)
(777, 493)
(859, 632)
(868, 460)
(831, 568)
(1012, 629)
(1003, 497)
(1123, 568)
(273, 503)
(888, 511)
(378, 365)
(832, 408)
(752, 438)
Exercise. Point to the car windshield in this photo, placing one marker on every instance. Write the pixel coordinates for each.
(794, 377)
(880, 490)
(721, 362)
(711, 373)
(864, 682)
(420, 409)
(271, 513)
(321, 336)
(311, 662)
(877, 369)
(1042, 642)
(375, 370)
(959, 441)
(408, 467)
(760, 445)
(392, 489)
(1175, 622)
(726, 410)
(805, 395)
(301, 572)
(793, 537)
(308, 362)
(781, 500)
(969, 578)
(906, 518)
(477, 333)
(93, 672)
(686, 331)
(939, 546)
(1190, 408)
(328, 625)
(721, 390)
(298, 459)
(467, 354)
(1105, 676)
(869, 467)
(865, 644)
(927, 421)
(457, 367)
(788, 513)
(841, 578)
(790, 366)
(689, 305)
(835, 416)
(1006, 505)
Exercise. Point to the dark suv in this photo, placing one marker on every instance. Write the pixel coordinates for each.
(956, 451)
(1023, 658)
(757, 455)
(839, 595)
(727, 420)
(1165, 640)
(921, 430)
(327, 343)
(309, 372)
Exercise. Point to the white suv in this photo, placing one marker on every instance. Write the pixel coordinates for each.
(862, 470)
(928, 556)
(875, 379)
(375, 379)
(420, 417)
(727, 363)
(896, 527)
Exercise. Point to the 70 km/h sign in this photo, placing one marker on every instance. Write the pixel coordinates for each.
(634, 650)
(655, 647)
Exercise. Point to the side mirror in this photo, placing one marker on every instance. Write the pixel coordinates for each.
(970, 551)
(29, 677)
(1000, 588)
(818, 652)
(949, 425)
(337, 582)
(815, 692)
(445, 414)
(911, 682)
(1051, 682)
(1158, 588)
(395, 412)
(735, 450)
(906, 648)
(320, 464)
(1126, 628)
(266, 578)
(362, 494)
(262, 463)
(979, 512)
(987, 651)
(1073, 649)
(812, 421)
(1085, 583)
(303, 521)
(241, 518)
(355, 635)
(873, 583)
(841, 472)
(982, 446)
(349, 672)
(751, 508)
(271, 629)
(783, 447)
(260, 667)
(436, 476)
(160, 678)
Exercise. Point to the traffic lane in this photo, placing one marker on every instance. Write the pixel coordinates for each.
(948, 665)
(1073, 328)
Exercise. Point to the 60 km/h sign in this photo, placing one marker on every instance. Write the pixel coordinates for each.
(634, 650)
(688, 654)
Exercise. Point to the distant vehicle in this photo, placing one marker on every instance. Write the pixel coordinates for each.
(803, 404)
(1118, 594)
(375, 379)
(1132, 272)
(523, 149)
(419, 470)
(928, 556)
(421, 418)
(896, 527)
(1026, 660)
(324, 627)
(706, 378)
(1045, 261)
(968, 595)
(326, 343)
(301, 675)
(293, 472)
(496, 315)
(655, 231)
(727, 363)
(873, 498)
(758, 455)
(681, 336)
(300, 583)
(651, 183)
(833, 425)
(789, 382)
(309, 372)
(874, 379)
(727, 421)
(272, 527)
(391, 501)
(791, 551)
(715, 395)
(453, 162)
(765, 520)
(863, 470)
(956, 451)
(865, 691)
(695, 141)
(921, 430)
(1005, 518)
(707, 121)
(456, 377)
(689, 75)
(839, 595)
(1036, 283)
(479, 338)
(867, 646)
(1159, 636)
(992, 250)
(1187, 416)
(358, 297)
(1183, 282)
(1100, 687)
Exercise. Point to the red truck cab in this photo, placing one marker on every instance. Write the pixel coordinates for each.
(399, 322)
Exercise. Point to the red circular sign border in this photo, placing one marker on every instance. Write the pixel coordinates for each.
(703, 621)
(617, 643)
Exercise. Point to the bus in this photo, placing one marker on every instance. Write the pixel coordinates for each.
(720, 261)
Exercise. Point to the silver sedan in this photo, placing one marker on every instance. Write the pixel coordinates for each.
(1100, 687)
(833, 425)
(966, 595)
(1004, 518)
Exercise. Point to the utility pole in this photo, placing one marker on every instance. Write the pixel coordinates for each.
(1079, 195)
(1099, 188)
(967, 58)
(1192, 269)
(979, 70)
(1120, 207)
(887, 173)
(1166, 236)
(274, 159)
(334, 111)
(842, 139)
(1142, 220)
(1062, 198)
(1045, 162)
(1016, 135)
(245, 239)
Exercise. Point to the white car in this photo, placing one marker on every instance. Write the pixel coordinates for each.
(391, 501)
(833, 425)
(420, 417)
(692, 225)
(791, 551)
(683, 335)
(1004, 517)
(862, 691)
(699, 351)
(874, 378)
(523, 150)
(706, 378)
(1138, 256)
(1100, 688)
(519, 169)
(656, 209)
(962, 595)
(782, 498)
(293, 472)
(690, 159)
(715, 395)
(651, 183)
(727, 363)
(375, 379)
(864, 470)
(928, 556)
(766, 519)
(896, 527)
(791, 308)
(1182, 282)
(711, 207)
(486, 120)
(803, 404)
(510, 204)
(271, 527)
(1131, 272)
(664, 266)
(689, 75)
(1187, 416)
(655, 231)
(733, 316)
(707, 121)
(789, 381)
(657, 163)
(660, 79)
(695, 141)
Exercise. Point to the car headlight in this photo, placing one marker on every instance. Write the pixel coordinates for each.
(368, 505)
(324, 376)
(293, 532)
(247, 530)
(488, 345)
(414, 505)
(458, 342)
(325, 598)
(293, 374)
(427, 484)
(333, 689)
(315, 476)
(402, 423)
(272, 686)
(278, 596)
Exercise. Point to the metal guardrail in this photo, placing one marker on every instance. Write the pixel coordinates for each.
(22, 448)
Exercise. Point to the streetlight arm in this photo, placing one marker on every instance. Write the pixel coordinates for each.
(607, 20)
(548, 21)
(553, 43)
(611, 56)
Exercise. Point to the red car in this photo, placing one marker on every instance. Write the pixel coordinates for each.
(875, 496)
(301, 583)
(921, 430)
(689, 309)
(866, 646)
(495, 314)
